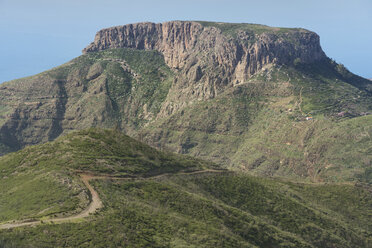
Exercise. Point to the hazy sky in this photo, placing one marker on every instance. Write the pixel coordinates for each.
(36, 35)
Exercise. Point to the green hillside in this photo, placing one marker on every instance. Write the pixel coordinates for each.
(188, 134)
(106, 89)
(156, 199)
(204, 104)
(43, 180)
(259, 125)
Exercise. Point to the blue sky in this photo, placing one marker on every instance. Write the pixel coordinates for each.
(40, 34)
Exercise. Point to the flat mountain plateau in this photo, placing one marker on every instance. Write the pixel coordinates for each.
(239, 135)
(249, 97)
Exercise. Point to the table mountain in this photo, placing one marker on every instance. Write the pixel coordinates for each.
(247, 96)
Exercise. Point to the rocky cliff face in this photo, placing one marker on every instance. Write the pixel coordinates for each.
(179, 40)
(207, 59)
(217, 91)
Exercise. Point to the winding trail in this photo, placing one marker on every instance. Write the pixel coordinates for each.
(96, 202)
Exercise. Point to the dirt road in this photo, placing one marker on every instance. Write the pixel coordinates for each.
(96, 202)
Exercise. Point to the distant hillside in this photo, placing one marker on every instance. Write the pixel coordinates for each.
(156, 199)
(247, 96)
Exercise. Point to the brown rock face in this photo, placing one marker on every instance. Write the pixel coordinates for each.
(207, 59)
(179, 40)
(218, 91)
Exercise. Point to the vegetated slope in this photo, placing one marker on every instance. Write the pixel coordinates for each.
(274, 143)
(165, 199)
(42, 180)
(205, 210)
(262, 126)
(219, 91)
(105, 89)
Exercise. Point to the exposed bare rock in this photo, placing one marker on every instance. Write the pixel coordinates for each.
(210, 90)
(208, 60)
(179, 40)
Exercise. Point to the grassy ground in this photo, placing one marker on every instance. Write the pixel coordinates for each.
(30, 194)
(41, 180)
(213, 210)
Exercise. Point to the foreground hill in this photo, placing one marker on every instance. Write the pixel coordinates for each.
(43, 180)
(250, 97)
(155, 199)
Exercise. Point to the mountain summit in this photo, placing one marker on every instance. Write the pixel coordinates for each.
(242, 49)
(212, 56)
(247, 96)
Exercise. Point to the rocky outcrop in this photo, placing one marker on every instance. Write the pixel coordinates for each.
(179, 40)
(212, 90)
(208, 60)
